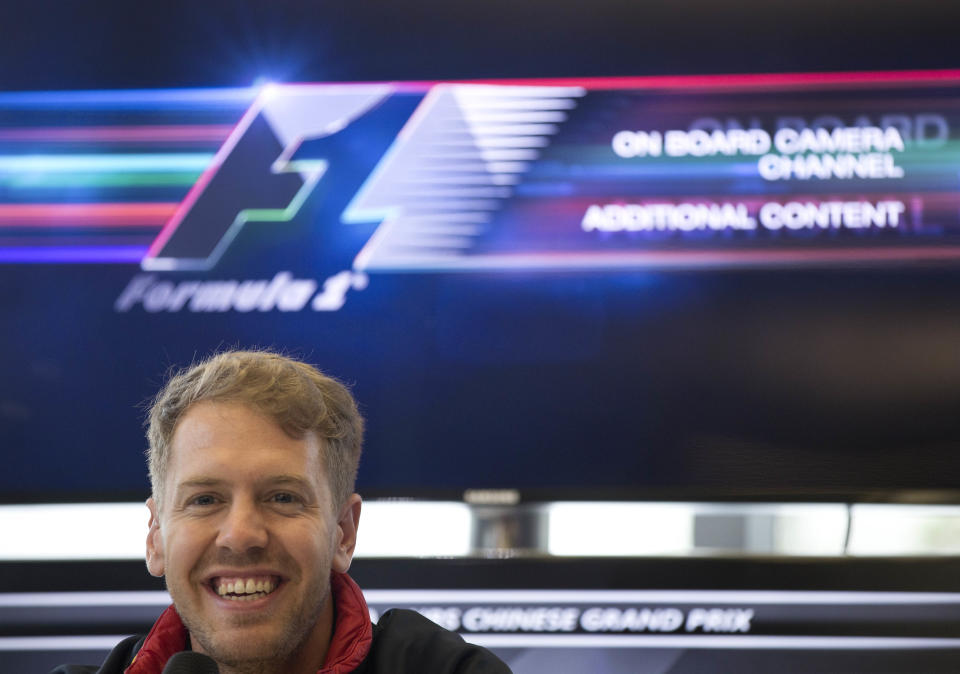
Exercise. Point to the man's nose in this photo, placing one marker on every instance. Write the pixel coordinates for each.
(243, 528)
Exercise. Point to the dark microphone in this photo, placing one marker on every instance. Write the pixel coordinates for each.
(189, 662)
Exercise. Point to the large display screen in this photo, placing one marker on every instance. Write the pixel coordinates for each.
(573, 287)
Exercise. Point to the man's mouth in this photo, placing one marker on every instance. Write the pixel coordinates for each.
(244, 588)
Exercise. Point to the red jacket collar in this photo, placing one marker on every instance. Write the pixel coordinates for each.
(349, 645)
(352, 630)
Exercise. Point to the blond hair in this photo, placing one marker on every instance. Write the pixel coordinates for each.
(296, 396)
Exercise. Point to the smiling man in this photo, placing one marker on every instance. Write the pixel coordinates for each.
(253, 523)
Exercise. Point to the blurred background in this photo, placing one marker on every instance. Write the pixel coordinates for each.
(600, 422)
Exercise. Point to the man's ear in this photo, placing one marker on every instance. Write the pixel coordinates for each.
(155, 561)
(347, 522)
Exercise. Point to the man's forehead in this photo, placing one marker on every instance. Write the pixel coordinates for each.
(199, 415)
(213, 438)
(208, 420)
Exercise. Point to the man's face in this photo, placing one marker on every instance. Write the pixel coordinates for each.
(247, 536)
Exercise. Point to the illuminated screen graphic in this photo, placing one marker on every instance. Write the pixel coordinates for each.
(723, 281)
(607, 173)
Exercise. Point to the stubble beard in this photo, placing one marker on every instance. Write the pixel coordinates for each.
(268, 654)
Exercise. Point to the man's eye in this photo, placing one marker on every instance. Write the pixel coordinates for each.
(284, 497)
(205, 500)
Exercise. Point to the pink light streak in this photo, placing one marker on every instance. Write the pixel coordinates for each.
(745, 80)
(691, 259)
(152, 215)
(748, 81)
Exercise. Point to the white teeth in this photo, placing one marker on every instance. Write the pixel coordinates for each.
(249, 587)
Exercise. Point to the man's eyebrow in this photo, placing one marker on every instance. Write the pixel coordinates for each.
(200, 482)
(286, 479)
(268, 480)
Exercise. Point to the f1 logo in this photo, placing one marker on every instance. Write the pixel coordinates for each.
(450, 167)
